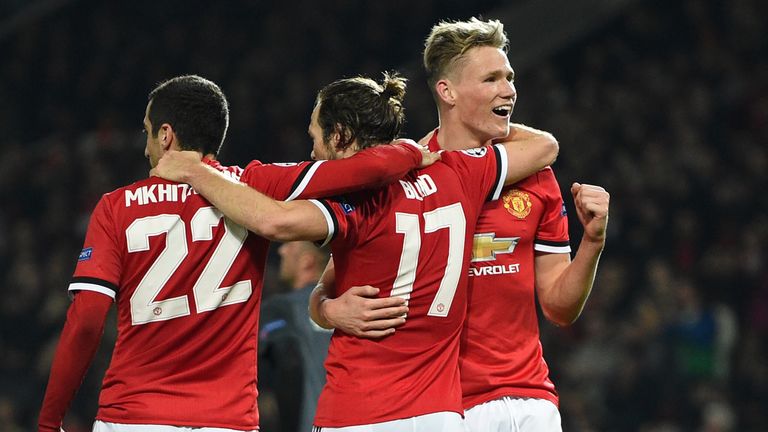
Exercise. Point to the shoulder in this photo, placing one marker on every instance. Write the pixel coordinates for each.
(449, 156)
(119, 193)
(541, 182)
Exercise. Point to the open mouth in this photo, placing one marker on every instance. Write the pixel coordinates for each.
(503, 110)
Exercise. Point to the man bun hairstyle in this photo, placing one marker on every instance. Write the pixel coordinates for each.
(360, 109)
(197, 110)
(393, 88)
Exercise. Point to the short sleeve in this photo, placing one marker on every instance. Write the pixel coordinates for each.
(552, 233)
(281, 181)
(342, 220)
(482, 170)
(99, 263)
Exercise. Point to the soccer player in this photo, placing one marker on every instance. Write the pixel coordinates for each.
(187, 281)
(521, 247)
(292, 348)
(413, 237)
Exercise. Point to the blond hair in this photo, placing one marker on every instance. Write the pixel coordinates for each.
(450, 40)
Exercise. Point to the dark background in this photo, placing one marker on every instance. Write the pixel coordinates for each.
(664, 103)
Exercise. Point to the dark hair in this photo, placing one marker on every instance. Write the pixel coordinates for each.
(363, 110)
(195, 107)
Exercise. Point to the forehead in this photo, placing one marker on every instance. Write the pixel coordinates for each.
(484, 60)
(313, 117)
(146, 112)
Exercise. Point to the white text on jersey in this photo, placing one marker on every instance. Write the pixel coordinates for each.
(158, 193)
(423, 186)
(494, 270)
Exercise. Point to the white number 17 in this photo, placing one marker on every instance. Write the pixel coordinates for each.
(451, 217)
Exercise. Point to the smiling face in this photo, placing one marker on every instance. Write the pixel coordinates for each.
(483, 92)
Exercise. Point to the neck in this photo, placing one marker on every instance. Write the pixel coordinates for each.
(454, 135)
(349, 151)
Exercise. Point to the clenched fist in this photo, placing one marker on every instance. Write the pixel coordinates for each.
(592, 209)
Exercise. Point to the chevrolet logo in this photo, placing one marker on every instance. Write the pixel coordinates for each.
(486, 246)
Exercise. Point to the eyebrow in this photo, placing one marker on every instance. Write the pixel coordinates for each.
(500, 72)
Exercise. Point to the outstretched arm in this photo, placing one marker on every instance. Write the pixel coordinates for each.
(275, 220)
(357, 311)
(563, 286)
(528, 151)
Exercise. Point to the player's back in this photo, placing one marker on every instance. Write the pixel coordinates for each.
(188, 286)
(411, 239)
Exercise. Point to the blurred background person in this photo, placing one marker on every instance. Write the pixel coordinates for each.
(292, 348)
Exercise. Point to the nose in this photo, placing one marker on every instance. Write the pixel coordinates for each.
(510, 91)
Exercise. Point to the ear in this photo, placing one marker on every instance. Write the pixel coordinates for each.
(335, 138)
(445, 92)
(167, 137)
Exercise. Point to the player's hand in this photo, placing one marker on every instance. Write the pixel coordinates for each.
(360, 313)
(177, 165)
(428, 157)
(592, 209)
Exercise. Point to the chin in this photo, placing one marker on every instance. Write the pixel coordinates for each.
(499, 132)
(505, 129)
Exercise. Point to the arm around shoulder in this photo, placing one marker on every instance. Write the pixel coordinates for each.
(274, 220)
(528, 151)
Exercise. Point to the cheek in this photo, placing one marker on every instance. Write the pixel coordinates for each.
(478, 100)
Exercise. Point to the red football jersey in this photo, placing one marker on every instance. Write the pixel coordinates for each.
(501, 353)
(187, 284)
(412, 239)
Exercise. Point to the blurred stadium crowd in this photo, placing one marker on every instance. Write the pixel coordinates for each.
(666, 107)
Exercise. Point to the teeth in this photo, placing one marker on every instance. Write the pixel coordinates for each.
(502, 110)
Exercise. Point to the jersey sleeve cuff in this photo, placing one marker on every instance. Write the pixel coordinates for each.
(304, 178)
(501, 171)
(551, 246)
(330, 219)
(93, 284)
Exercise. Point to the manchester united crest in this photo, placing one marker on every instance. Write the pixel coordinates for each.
(518, 203)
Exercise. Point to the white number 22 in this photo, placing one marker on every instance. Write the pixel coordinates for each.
(451, 217)
(208, 292)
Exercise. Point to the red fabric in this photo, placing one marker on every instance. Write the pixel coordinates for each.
(77, 346)
(427, 224)
(371, 167)
(501, 354)
(187, 341)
